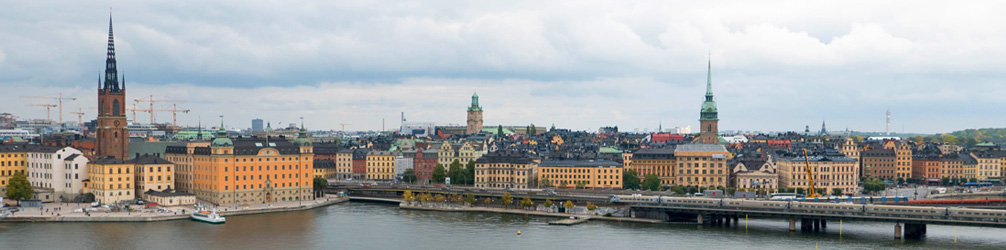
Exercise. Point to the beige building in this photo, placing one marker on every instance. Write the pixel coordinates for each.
(988, 166)
(829, 169)
(380, 165)
(344, 164)
(505, 170)
(703, 165)
(153, 174)
(463, 152)
(753, 174)
(167, 198)
(592, 173)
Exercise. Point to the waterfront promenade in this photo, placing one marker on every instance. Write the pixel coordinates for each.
(457, 208)
(63, 212)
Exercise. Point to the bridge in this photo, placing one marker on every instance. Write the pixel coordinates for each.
(914, 225)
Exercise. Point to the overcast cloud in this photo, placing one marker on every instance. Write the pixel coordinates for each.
(777, 65)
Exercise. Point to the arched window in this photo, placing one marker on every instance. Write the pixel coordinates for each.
(115, 107)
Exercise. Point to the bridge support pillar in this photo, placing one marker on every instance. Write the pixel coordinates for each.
(824, 223)
(897, 231)
(726, 221)
(792, 225)
(806, 225)
(736, 220)
(699, 219)
(817, 225)
(914, 231)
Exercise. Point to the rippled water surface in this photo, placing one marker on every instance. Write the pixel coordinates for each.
(380, 226)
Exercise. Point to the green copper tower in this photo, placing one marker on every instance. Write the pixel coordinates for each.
(709, 115)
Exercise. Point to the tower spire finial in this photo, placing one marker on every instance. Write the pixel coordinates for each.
(709, 78)
(111, 72)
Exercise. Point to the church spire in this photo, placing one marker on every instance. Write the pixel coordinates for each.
(709, 81)
(111, 73)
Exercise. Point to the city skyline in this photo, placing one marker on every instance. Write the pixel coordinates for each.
(576, 71)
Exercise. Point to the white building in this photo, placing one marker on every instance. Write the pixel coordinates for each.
(60, 169)
(401, 164)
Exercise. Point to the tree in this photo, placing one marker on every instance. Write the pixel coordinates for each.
(568, 205)
(581, 184)
(732, 191)
(563, 184)
(506, 199)
(799, 190)
(470, 199)
(548, 203)
(18, 188)
(874, 185)
(487, 201)
(945, 181)
(499, 130)
(630, 179)
(533, 130)
(408, 196)
(591, 206)
(545, 182)
(919, 140)
(651, 182)
(319, 186)
(456, 172)
(439, 174)
(678, 189)
(409, 176)
(973, 179)
(857, 139)
(901, 180)
(836, 191)
(440, 198)
(526, 202)
(951, 139)
(470, 173)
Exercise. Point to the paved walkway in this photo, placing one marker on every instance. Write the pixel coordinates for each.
(64, 211)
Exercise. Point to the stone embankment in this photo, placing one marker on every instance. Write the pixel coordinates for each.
(405, 205)
(35, 216)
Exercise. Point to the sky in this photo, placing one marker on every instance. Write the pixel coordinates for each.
(776, 65)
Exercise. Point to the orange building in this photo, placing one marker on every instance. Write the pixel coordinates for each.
(253, 170)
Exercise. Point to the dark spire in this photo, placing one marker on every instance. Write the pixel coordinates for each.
(111, 74)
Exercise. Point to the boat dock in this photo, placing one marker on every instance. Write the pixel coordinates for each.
(569, 221)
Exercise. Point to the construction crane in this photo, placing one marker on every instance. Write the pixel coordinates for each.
(344, 127)
(47, 107)
(174, 113)
(59, 102)
(150, 99)
(812, 193)
(80, 116)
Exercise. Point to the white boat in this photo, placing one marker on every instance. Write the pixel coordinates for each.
(209, 216)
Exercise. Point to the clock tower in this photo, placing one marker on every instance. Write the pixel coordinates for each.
(709, 115)
(112, 136)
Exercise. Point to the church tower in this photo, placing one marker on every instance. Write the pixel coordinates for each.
(709, 116)
(112, 136)
(474, 116)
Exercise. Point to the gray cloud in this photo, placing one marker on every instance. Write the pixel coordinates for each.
(777, 66)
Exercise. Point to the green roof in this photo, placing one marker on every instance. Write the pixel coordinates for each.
(494, 129)
(609, 150)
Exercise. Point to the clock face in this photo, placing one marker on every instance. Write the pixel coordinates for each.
(116, 123)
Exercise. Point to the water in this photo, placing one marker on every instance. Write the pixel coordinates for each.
(380, 226)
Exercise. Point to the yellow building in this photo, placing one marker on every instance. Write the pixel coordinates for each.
(183, 158)
(253, 170)
(111, 180)
(380, 165)
(505, 170)
(988, 167)
(830, 170)
(703, 165)
(324, 169)
(13, 159)
(657, 161)
(570, 173)
(153, 173)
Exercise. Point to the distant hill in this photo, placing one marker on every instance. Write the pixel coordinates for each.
(993, 135)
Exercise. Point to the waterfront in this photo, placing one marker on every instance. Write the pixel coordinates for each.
(356, 225)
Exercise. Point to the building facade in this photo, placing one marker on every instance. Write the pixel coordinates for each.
(60, 170)
(574, 173)
(253, 170)
(153, 173)
(703, 165)
(657, 161)
(110, 180)
(505, 170)
(755, 174)
(829, 170)
(380, 165)
(13, 159)
(182, 155)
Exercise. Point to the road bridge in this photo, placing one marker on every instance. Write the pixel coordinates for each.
(914, 225)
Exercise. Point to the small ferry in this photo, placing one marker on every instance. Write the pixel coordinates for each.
(209, 216)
